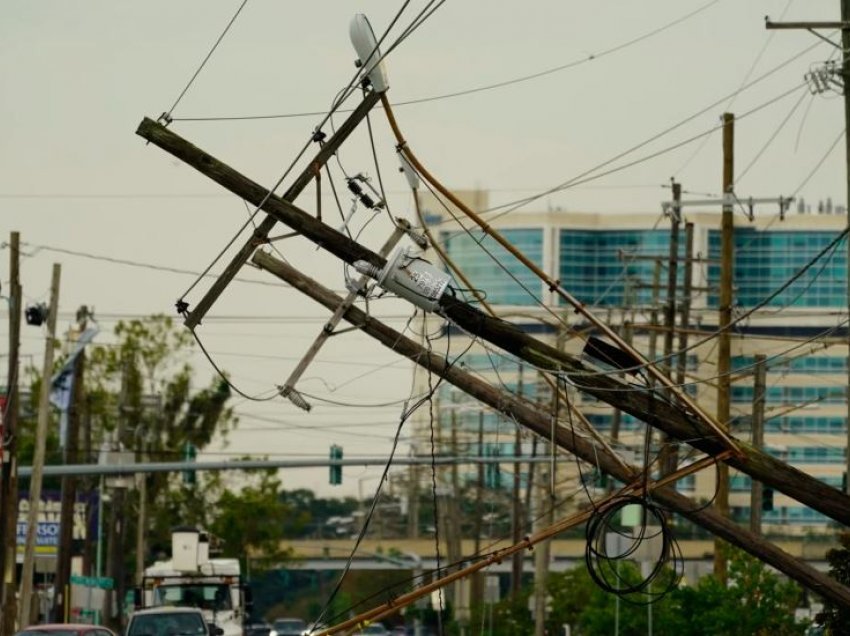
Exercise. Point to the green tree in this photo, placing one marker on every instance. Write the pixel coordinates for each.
(755, 602)
(836, 619)
(250, 523)
(139, 391)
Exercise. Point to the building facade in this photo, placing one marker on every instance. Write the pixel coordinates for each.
(790, 304)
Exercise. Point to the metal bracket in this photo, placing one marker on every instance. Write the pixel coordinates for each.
(287, 389)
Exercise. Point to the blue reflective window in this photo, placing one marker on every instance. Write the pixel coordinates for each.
(792, 394)
(614, 267)
(494, 270)
(764, 261)
(807, 364)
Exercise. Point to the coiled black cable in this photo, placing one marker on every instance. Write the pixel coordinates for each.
(604, 561)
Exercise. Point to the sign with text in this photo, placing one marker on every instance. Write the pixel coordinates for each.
(47, 531)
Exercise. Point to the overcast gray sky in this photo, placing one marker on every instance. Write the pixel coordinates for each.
(78, 77)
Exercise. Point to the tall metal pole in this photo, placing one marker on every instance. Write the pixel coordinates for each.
(727, 230)
(9, 470)
(758, 439)
(40, 447)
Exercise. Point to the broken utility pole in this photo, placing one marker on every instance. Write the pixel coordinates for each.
(539, 421)
(261, 233)
(642, 404)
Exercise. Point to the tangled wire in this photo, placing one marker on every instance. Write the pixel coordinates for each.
(651, 543)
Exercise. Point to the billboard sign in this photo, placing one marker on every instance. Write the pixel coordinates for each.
(47, 531)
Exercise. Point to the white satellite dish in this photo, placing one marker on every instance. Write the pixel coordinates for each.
(363, 39)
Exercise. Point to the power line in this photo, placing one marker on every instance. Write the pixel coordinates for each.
(488, 87)
(167, 115)
(131, 263)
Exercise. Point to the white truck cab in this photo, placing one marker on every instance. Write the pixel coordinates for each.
(190, 579)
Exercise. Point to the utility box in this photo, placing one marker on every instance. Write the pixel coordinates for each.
(184, 549)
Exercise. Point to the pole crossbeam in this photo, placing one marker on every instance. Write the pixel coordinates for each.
(261, 233)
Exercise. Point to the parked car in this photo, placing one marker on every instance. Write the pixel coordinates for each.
(65, 629)
(288, 627)
(170, 621)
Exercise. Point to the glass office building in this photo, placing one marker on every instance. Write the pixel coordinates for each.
(789, 291)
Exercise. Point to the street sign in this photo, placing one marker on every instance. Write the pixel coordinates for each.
(101, 582)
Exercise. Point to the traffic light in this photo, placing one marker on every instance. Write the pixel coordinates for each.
(335, 469)
(36, 315)
(189, 454)
(767, 499)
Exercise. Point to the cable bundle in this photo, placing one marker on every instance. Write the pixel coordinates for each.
(604, 561)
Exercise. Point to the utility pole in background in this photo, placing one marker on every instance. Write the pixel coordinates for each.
(669, 446)
(477, 583)
(517, 515)
(113, 608)
(758, 439)
(8, 443)
(684, 324)
(724, 353)
(845, 74)
(61, 584)
(40, 447)
(844, 26)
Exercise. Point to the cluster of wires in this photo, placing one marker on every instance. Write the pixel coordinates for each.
(609, 546)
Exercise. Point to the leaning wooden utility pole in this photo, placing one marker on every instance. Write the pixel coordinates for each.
(9, 444)
(758, 438)
(540, 422)
(724, 355)
(40, 446)
(674, 419)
